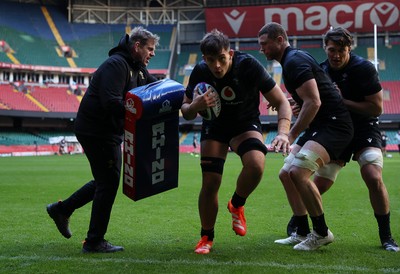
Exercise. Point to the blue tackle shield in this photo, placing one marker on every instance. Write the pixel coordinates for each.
(151, 139)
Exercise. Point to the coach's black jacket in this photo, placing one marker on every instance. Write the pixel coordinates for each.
(101, 112)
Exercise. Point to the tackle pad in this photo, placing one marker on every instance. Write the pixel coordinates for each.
(151, 139)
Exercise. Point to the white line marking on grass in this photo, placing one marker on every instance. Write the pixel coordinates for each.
(205, 262)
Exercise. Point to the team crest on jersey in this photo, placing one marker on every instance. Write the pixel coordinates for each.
(228, 94)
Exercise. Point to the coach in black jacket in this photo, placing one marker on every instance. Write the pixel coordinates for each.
(99, 128)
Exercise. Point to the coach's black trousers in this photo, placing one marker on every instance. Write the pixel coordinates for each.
(105, 161)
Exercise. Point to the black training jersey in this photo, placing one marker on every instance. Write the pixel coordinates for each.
(239, 90)
(298, 67)
(101, 112)
(356, 80)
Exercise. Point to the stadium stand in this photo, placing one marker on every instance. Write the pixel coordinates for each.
(22, 138)
(26, 31)
(56, 99)
(35, 42)
(13, 99)
(391, 98)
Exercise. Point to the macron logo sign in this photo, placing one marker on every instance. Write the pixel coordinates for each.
(307, 19)
(235, 20)
(319, 17)
(384, 14)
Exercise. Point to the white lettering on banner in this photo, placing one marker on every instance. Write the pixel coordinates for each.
(158, 142)
(359, 13)
(316, 17)
(333, 16)
(129, 158)
(314, 22)
(284, 16)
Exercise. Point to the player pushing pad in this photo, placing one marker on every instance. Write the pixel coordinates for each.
(151, 140)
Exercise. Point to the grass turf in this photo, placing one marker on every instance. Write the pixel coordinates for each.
(160, 232)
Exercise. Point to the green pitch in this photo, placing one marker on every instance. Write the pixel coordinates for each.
(159, 233)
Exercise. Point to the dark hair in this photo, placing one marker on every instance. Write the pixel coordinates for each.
(339, 36)
(273, 30)
(214, 42)
(142, 35)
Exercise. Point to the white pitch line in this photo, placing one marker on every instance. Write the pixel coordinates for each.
(209, 262)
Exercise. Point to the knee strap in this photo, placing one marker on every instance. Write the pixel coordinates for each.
(306, 158)
(288, 162)
(212, 164)
(329, 171)
(371, 156)
(251, 144)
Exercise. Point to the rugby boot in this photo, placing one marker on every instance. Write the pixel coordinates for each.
(238, 219)
(101, 247)
(60, 219)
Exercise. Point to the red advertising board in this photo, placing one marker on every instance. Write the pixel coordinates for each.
(306, 19)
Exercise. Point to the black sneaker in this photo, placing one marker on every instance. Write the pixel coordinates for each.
(390, 245)
(291, 226)
(61, 220)
(102, 247)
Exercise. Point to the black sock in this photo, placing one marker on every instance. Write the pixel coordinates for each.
(303, 227)
(319, 225)
(209, 233)
(237, 201)
(384, 226)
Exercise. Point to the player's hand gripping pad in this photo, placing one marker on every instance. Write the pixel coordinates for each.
(151, 141)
